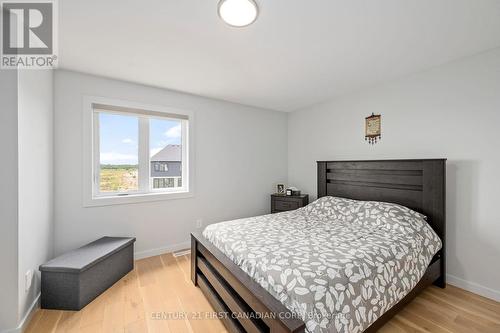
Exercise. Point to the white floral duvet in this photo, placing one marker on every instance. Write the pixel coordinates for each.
(338, 264)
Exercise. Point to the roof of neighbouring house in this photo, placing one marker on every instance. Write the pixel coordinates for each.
(171, 153)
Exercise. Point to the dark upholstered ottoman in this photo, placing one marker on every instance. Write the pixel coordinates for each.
(73, 280)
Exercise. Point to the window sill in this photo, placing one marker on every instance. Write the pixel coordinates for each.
(135, 198)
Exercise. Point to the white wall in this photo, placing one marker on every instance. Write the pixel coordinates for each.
(452, 111)
(8, 199)
(35, 126)
(26, 191)
(240, 154)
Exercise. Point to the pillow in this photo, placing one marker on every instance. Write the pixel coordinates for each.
(368, 213)
(387, 215)
(333, 208)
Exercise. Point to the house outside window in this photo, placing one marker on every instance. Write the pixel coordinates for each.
(167, 166)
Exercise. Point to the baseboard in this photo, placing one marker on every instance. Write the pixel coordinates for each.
(473, 287)
(27, 317)
(182, 252)
(162, 250)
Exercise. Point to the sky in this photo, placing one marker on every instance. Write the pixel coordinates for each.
(119, 136)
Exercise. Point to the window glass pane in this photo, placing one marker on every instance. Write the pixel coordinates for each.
(165, 152)
(118, 146)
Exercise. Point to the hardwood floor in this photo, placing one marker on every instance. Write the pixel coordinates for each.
(158, 296)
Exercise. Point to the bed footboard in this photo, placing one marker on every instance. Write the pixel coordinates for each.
(242, 304)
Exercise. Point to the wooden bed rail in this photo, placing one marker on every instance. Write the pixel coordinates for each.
(245, 306)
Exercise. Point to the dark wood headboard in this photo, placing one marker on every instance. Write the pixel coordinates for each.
(416, 184)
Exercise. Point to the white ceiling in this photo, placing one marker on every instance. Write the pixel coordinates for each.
(296, 54)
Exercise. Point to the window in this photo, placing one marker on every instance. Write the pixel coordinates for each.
(166, 182)
(160, 166)
(138, 153)
(119, 156)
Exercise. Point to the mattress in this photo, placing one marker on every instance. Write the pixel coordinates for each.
(337, 264)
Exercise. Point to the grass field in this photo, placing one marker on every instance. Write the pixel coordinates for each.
(118, 178)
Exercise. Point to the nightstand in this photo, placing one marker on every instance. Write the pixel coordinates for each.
(283, 203)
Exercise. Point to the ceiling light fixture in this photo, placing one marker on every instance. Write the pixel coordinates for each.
(238, 13)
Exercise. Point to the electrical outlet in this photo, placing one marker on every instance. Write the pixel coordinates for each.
(28, 279)
(199, 223)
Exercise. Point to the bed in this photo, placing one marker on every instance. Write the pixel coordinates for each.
(345, 263)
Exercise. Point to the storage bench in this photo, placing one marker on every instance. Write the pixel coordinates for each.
(73, 280)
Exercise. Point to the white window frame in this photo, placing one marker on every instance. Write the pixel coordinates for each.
(145, 193)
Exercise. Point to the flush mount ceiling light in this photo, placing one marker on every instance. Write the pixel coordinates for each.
(238, 13)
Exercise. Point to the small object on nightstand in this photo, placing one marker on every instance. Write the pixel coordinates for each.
(283, 203)
(293, 191)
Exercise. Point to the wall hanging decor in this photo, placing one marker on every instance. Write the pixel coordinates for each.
(373, 129)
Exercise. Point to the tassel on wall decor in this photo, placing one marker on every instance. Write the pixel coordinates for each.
(373, 129)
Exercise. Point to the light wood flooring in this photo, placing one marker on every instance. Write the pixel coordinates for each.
(158, 296)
